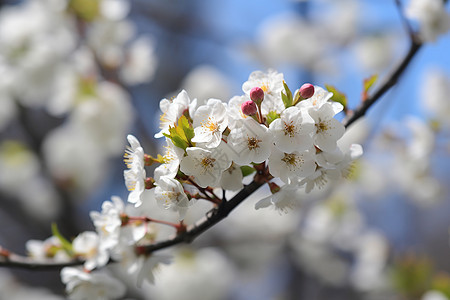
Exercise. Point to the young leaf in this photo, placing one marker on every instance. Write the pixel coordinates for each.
(368, 83)
(188, 130)
(247, 170)
(176, 139)
(337, 96)
(67, 246)
(272, 116)
(286, 97)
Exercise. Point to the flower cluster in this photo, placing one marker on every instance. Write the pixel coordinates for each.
(294, 135)
(288, 140)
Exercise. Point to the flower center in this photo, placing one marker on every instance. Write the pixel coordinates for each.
(265, 87)
(169, 156)
(289, 129)
(322, 126)
(253, 143)
(210, 125)
(171, 196)
(291, 159)
(208, 162)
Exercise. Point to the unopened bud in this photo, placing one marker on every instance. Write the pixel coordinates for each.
(257, 94)
(249, 108)
(307, 91)
(149, 183)
(274, 188)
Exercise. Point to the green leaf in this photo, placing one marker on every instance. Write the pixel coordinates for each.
(272, 116)
(67, 246)
(369, 82)
(286, 97)
(188, 130)
(247, 170)
(181, 134)
(337, 96)
(297, 98)
(176, 139)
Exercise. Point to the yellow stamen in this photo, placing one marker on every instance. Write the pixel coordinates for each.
(322, 126)
(207, 163)
(289, 129)
(210, 125)
(264, 87)
(292, 159)
(253, 143)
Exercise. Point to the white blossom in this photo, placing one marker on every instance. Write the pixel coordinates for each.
(172, 111)
(210, 121)
(282, 201)
(108, 222)
(292, 131)
(135, 175)
(206, 166)
(143, 265)
(171, 161)
(290, 167)
(250, 141)
(328, 130)
(232, 178)
(169, 194)
(49, 248)
(81, 285)
(88, 246)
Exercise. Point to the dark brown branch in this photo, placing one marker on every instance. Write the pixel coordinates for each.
(213, 217)
(30, 263)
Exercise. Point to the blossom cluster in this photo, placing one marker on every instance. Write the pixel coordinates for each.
(211, 143)
(288, 140)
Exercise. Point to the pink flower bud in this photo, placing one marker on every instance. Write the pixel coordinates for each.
(249, 108)
(257, 94)
(307, 91)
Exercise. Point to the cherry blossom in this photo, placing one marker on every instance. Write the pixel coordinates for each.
(252, 142)
(290, 167)
(292, 131)
(169, 194)
(206, 166)
(81, 285)
(135, 175)
(172, 111)
(210, 121)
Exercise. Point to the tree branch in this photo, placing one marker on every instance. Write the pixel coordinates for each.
(30, 263)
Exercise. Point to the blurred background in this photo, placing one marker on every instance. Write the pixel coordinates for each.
(77, 76)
